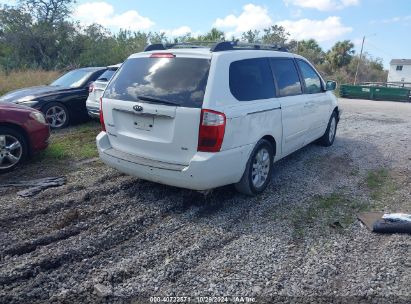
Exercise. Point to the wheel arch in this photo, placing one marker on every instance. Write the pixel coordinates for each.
(244, 185)
(272, 141)
(47, 103)
(338, 112)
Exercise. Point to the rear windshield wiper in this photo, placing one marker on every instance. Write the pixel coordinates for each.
(156, 100)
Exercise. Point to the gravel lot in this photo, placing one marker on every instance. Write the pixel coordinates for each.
(107, 237)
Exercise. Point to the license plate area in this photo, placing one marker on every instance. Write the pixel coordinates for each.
(143, 122)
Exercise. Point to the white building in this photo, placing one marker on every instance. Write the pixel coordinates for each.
(400, 70)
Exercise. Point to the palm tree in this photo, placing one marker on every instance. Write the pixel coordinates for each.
(213, 35)
(340, 54)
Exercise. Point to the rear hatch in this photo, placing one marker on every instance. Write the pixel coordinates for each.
(98, 89)
(152, 106)
(100, 84)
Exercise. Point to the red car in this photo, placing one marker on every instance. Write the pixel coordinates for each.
(23, 131)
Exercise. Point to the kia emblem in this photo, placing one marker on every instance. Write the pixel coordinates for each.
(138, 108)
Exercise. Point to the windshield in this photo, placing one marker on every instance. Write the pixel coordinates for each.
(72, 79)
(106, 76)
(179, 81)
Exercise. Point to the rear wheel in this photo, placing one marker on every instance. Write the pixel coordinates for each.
(13, 149)
(329, 136)
(57, 115)
(257, 173)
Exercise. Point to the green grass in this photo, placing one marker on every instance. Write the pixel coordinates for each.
(76, 143)
(335, 210)
(380, 183)
(375, 179)
(325, 214)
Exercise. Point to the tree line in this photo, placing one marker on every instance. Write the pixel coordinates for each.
(40, 34)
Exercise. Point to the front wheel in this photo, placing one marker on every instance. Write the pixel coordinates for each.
(13, 149)
(258, 170)
(329, 136)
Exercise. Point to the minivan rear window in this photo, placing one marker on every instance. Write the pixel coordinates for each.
(176, 81)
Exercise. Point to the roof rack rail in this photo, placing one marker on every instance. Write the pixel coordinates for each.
(237, 45)
(154, 47)
(165, 46)
(219, 46)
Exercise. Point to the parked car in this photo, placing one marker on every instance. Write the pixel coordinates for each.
(63, 101)
(23, 131)
(96, 90)
(200, 118)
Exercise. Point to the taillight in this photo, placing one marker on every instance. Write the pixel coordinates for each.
(103, 126)
(211, 133)
(162, 55)
(91, 87)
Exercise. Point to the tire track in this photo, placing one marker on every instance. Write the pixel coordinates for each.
(28, 247)
(117, 235)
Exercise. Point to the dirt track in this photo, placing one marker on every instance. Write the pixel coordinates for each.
(107, 237)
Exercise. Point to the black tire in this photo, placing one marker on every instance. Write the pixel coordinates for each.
(55, 123)
(246, 184)
(9, 133)
(327, 140)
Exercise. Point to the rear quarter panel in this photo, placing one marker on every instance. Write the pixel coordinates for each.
(74, 100)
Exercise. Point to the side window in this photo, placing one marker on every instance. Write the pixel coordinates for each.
(251, 79)
(286, 75)
(311, 79)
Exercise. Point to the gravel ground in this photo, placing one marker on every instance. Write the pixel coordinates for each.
(109, 238)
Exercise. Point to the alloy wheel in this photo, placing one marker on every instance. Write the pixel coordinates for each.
(56, 116)
(261, 168)
(11, 151)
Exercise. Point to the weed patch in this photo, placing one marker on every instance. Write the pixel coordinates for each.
(380, 183)
(77, 143)
(331, 211)
(23, 79)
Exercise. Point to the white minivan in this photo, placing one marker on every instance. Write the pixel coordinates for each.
(201, 117)
(96, 90)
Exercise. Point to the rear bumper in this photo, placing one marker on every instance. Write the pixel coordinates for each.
(93, 109)
(205, 171)
(93, 112)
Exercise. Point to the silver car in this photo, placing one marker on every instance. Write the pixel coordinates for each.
(96, 90)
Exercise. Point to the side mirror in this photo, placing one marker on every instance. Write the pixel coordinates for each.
(330, 85)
